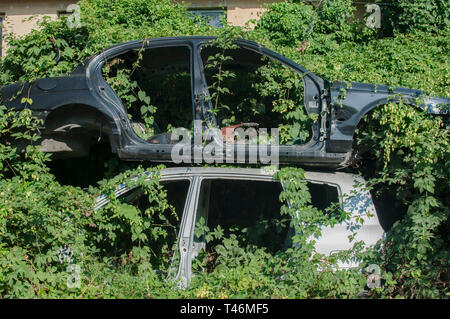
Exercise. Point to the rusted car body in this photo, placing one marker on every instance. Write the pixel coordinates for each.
(81, 108)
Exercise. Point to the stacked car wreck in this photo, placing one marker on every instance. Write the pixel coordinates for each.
(186, 125)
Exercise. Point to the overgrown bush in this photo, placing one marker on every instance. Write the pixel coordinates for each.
(288, 23)
(337, 18)
(425, 15)
(413, 158)
(46, 227)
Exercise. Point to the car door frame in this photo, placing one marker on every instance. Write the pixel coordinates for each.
(316, 101)
(187, 246)
(369, 232)
(129, 144)
(131, 147)
(183, 242)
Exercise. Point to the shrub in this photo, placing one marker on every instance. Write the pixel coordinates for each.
(425, 15)
(337, 18)
(404, 151)
(288, 23)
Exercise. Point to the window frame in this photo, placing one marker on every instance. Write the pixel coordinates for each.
(123, 189)
(63, 13)
(267, 179)
(244, 177)
(200, 11)
(308, 78)
(136, 46)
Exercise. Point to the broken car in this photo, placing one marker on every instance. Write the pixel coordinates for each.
(247, 199)
(134, 94)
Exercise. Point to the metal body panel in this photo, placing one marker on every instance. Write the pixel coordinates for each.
(350, 101)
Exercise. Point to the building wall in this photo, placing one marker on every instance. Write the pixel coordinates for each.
(17, 14)
(17, 10)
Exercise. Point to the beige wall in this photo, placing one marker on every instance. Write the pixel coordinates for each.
(17, 14)
(18, 10)
(240, 11)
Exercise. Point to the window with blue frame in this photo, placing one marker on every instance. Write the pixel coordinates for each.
(212, 16)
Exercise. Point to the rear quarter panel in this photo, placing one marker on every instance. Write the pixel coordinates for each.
(358, 202)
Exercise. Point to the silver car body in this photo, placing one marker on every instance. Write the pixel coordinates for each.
(356, 200)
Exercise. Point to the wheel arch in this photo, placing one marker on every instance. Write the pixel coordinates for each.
(81, 118)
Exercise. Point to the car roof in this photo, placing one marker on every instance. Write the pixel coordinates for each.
(150, 42)
(263, 173)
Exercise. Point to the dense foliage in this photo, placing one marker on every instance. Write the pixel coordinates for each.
(47, 229)
(407, 15)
